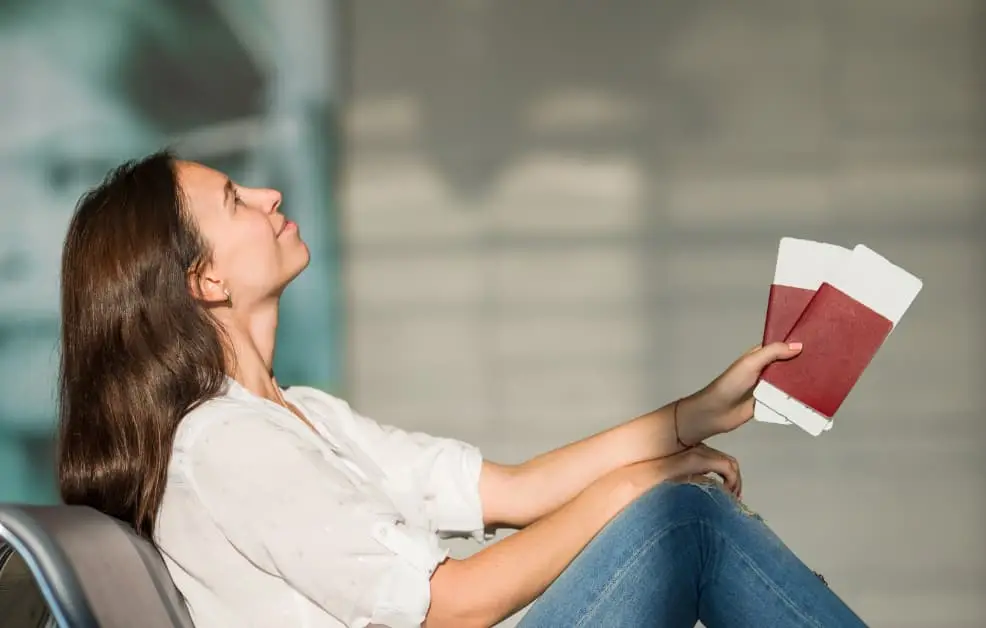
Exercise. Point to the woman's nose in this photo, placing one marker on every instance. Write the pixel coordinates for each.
(274, 201)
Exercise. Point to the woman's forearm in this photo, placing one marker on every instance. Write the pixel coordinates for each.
(503, 578)
(544, 483)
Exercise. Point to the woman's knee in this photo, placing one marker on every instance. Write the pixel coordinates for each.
(685, 501)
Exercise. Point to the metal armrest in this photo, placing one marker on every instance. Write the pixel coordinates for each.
(50, 567)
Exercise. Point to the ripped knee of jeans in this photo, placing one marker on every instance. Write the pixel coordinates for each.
(709, 483)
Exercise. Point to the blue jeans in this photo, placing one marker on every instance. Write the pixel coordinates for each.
(686, 552)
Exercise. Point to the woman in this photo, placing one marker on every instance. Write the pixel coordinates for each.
(286, 507)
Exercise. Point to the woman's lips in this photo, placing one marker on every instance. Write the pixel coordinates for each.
(289, 225)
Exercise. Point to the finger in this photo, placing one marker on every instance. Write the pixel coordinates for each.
(735, 483)
(760, 358)
(732, 483)
(725, 469)
(708, 459)
(746, 355)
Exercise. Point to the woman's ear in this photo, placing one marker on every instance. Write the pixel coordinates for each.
(206, 289)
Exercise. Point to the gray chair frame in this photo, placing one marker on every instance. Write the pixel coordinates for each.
(92, 570)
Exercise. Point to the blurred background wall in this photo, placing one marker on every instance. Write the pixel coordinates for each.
(559, 215)
(553, 216)
(246, 86)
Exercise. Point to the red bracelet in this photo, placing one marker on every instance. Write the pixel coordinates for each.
(677, 437)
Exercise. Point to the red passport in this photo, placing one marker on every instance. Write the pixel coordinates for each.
(802, 266)
(840, 337)
(784, 307)
(842, 328)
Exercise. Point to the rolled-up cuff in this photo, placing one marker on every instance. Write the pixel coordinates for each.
(459, 509)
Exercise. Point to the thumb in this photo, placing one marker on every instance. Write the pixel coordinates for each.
(760, 358)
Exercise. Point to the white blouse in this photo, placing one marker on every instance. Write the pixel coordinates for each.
(266, 523)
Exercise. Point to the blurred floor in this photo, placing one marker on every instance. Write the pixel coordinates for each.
(560, 215)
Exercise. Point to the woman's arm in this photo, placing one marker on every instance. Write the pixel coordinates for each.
(503, 578)
(516, 496)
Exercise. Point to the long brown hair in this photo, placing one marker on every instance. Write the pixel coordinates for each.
(137, 350)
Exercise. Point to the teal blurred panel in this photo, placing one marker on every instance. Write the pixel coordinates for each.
(239, 86)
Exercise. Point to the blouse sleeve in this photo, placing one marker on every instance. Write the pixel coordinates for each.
(444, 471)
(293, 514)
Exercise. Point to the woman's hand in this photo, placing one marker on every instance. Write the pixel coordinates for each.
(727, 402)
(632, 481)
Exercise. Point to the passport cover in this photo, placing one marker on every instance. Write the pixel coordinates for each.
(840, 336)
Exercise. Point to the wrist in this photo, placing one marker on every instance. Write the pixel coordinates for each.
(694, 423)
(675, 419)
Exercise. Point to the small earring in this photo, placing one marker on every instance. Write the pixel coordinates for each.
(229, 297)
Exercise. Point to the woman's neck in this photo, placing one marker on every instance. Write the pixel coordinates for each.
(252, 339)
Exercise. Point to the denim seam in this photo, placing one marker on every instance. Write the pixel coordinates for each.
(618, 576)
(763, 576)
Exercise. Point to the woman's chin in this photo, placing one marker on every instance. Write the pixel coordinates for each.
(298, 266)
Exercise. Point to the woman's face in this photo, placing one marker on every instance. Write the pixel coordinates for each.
(256, 250)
